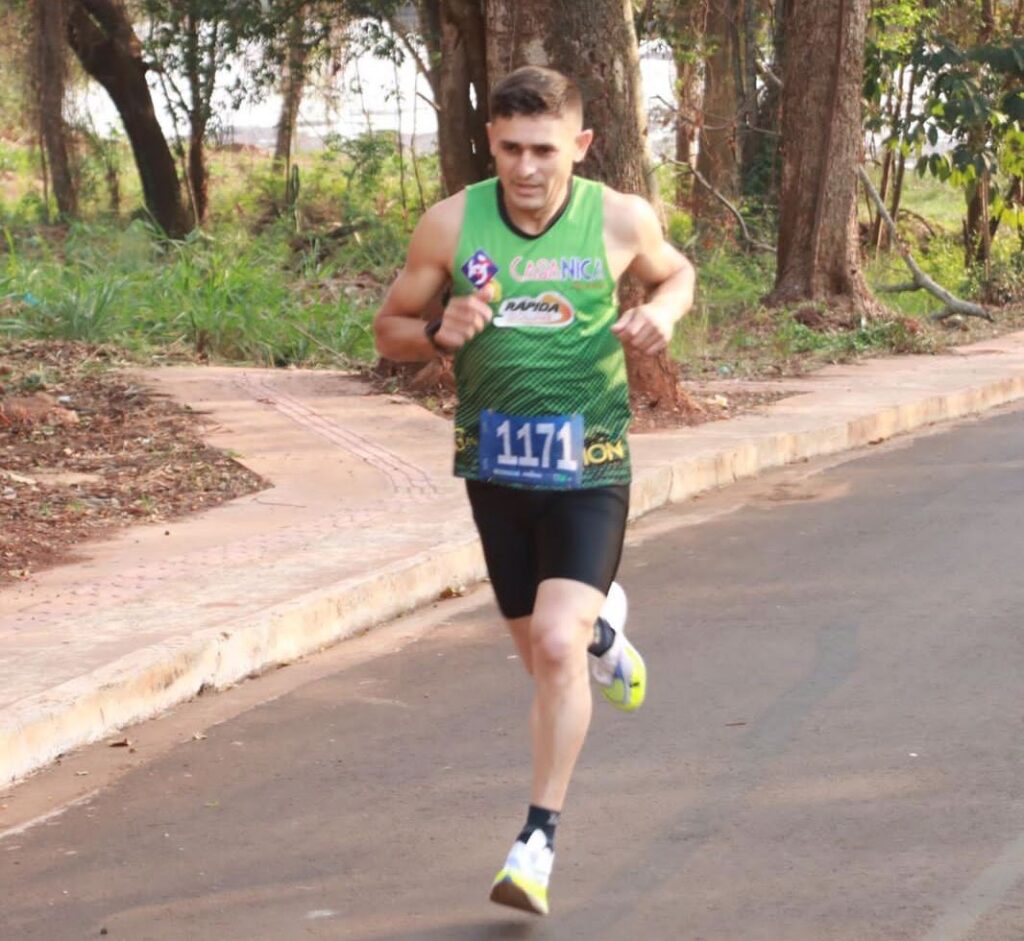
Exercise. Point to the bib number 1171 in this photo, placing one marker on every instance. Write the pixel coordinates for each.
(544, 451)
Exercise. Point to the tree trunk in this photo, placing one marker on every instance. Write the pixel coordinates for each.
(749, 135)
(689, 88)
(293, 83)
(101, 35)
(761, 152)
(453, 32)
(716, 160)
(198, 176)
(595, 43)
(49, 68)
(894, 112)
(465, 93)
(200, 85)
(977, 240)
(818, 251)
(901, 160)
(686, 36)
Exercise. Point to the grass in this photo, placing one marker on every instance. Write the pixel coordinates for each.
(224, 295)
(262, 283)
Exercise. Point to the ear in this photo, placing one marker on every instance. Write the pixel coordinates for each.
(583, 142)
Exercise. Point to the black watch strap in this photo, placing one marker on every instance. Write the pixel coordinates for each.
(430, 331)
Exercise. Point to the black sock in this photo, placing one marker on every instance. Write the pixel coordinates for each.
(540, 818)
(604, 637)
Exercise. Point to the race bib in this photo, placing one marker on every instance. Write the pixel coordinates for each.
(542, 452)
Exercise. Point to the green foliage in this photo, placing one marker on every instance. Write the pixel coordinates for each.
(892, 335)
(226, 296)
(976, 98)
(680, 229)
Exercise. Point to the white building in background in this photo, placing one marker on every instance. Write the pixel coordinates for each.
(370, 93)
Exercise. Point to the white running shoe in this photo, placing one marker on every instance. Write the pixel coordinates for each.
(523, 880)
(620, 671)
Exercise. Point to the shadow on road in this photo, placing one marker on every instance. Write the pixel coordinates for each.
(478, 931)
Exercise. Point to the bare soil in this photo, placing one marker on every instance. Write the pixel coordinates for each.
(84, 450)
(433, 386)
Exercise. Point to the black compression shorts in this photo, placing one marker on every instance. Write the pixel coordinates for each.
(532, 535)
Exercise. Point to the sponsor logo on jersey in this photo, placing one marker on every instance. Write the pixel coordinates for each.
(596, 453)
(557, 269)
(479, 269)
(547, 310)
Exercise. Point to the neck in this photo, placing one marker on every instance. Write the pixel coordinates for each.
(536, 221)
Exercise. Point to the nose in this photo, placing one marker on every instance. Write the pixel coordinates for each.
(525, 166)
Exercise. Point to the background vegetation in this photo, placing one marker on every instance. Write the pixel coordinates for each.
(286, 254)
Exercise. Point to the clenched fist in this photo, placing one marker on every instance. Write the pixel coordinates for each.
(464, 318)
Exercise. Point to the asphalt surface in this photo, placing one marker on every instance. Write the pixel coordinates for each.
(830, 750)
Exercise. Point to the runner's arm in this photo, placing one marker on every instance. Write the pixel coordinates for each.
(398, 325)
(668, 275)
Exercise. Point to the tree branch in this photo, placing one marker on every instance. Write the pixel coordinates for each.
(921, 281)
(747, 237)
(767, 72)
(112, 17)
(410, 48)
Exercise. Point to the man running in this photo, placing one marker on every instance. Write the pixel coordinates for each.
(532, 259)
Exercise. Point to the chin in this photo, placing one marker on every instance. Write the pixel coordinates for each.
(522, 201)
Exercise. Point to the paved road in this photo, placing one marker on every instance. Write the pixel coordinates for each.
(831, 749)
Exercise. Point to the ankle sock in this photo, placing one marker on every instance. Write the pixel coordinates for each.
(540, 818)
(604, 637)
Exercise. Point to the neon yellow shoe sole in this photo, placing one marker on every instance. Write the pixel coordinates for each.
(628, 688)
(514, 890)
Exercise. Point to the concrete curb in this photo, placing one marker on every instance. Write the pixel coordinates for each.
(676, 481)
(149, 681)
(139, 686)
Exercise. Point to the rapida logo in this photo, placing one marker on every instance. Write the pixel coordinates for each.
(547, 310)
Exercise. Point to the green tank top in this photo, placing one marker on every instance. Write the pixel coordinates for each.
(542, 390)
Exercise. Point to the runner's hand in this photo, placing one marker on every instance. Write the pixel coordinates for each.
(643, 329)
(464, 318)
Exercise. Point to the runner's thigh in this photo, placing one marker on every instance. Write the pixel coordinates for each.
(506, 519)
(580, 533)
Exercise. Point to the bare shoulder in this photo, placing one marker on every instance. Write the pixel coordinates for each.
(632, 233)
(437, 233)
(629, 221)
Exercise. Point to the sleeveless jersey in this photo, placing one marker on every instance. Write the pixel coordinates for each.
(548, 358)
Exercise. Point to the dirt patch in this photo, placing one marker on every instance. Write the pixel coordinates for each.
(433, 386)
(85, 450)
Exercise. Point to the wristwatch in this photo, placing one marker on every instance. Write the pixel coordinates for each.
(430, 332)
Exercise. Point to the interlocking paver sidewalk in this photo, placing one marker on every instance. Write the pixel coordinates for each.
(364, 521)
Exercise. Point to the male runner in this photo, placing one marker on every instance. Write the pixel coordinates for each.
(532, 259)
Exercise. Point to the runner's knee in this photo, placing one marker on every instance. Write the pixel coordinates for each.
(558, 641)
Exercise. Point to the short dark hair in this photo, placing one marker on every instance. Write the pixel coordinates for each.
(532, 90)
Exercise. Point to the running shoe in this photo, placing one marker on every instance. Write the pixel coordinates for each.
(620, 671)
(523, 880)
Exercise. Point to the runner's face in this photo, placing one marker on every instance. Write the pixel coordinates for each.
(534, 157)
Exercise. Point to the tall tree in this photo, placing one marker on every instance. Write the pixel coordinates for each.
(197, 45)
(303, 35)
(717, 159)
(292, 84)
(750, 17)
(49, 73)
(596, 44)
(454, 34)
(818, 250)
(687, 40)
(101, 34)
